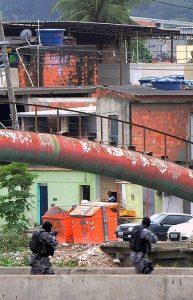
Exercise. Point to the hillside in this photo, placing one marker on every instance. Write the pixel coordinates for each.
(165, 11)
(28, 10)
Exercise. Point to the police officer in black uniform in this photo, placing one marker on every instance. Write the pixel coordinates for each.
(45, 244)
(141, 239)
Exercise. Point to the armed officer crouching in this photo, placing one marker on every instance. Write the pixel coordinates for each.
(140, 245)
(42, 245)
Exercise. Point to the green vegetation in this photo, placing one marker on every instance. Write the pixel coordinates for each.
(14, 251)
(139, 52)
(16, 201)
(103, 11)
(33, 10)
(14, 260)
(13, 248)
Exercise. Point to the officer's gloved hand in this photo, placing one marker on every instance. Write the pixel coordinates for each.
(54, 233)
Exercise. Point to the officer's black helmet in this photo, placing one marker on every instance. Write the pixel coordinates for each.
(146, 221)
(47, 226)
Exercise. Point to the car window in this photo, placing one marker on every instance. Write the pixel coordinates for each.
(173, 220)
(187, 218)
(157, 218)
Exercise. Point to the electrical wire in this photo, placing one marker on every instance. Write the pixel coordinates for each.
(174, 5)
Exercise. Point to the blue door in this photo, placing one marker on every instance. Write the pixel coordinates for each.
(42, 201)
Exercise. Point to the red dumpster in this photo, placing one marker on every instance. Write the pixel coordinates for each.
(62, 223)
(94, 223)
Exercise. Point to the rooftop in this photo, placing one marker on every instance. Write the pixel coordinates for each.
(54, 91)
(13, 28)
(148, 94)
(54, 112)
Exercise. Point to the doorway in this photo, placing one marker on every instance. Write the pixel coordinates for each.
(84, 192)
(42, 200)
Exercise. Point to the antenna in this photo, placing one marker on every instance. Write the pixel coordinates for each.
(25, 35)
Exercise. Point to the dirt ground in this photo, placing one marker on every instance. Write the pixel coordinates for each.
(83, 256)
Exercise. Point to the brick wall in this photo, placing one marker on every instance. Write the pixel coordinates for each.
(59, 66)
(171, 118)
(110, 184)
(162, 115)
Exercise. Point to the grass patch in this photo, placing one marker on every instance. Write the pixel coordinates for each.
(14, 259)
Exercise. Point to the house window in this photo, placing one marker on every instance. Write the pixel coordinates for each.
(113, 130)
(85, 192)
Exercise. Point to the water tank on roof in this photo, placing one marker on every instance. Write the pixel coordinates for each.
(179, 77)
(166, 84)
(50, 37)
(147, 80)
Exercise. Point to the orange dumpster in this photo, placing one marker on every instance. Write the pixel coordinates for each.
(62, 223)
(94, 223)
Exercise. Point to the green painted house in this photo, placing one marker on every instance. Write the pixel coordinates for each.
(62, 187)
(142, 200)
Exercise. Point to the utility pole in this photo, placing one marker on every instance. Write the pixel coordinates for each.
(11, 96)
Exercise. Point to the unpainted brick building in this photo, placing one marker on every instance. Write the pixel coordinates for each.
(58, 66)
(170, 112)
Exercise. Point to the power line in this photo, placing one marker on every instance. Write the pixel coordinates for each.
(174, 5)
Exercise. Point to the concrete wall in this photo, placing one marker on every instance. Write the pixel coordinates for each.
(14, 77)
(110, 107)
(135, 198)
(94, 287)
(188, 71)
(111, 74)
(131, 73)
(172, 204)
(148, 69)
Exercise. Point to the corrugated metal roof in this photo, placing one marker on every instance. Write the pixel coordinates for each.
(63, 99)
(90, 28)
(53, 112)
(186, 30)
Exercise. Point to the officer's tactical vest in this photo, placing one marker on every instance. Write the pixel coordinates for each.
(37, 245)
(136, 243)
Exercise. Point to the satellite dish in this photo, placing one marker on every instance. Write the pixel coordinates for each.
(26, 34)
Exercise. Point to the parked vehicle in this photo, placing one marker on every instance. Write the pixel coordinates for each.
(160, 223)
(181, 232)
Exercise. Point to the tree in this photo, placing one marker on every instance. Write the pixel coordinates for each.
(102, 11)
(16, 180)
(139, 52)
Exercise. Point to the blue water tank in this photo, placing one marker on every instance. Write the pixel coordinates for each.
(50, 37)
(187, 82)
(179, 77)
(147, 80)
(167, 83)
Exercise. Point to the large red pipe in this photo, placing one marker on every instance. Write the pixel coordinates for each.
(83, 155)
